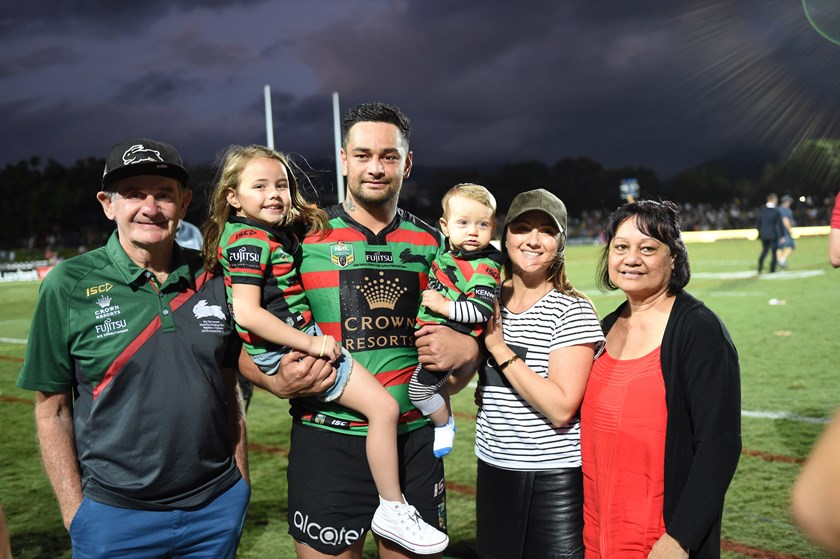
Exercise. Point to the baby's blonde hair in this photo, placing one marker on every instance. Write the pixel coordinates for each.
(470, 191)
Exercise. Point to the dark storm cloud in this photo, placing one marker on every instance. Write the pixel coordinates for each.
(104, 16)
(625, 83)
(157, 87)
(513, 83)
(45, 57)
(642, 83)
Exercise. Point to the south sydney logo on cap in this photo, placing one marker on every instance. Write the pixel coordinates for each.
(139, 153)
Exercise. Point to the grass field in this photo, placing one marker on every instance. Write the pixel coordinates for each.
(789, 379)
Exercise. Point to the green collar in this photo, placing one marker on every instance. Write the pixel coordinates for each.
(135, 275)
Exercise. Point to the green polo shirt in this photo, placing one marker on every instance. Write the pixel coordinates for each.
(144, 362)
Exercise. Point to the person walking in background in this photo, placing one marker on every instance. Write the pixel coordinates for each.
(786, 243)
(834, 235)
(661, 417)
(363, 280)
(769, 225)
(131, 354)
(461, 294)
(253, 207)
(541, 342)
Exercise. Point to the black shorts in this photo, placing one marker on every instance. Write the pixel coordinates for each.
(529, 514)
(332, 496)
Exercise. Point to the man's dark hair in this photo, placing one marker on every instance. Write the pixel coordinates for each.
(375, 112)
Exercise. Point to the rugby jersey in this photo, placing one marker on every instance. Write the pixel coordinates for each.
(364, 290)
(251, 253)
(509, 432)
(465, 276)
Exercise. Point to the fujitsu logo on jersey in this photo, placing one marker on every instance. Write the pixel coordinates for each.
(110, 327)
(244, 255)
(379, 257)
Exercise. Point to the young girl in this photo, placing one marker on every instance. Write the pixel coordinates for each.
(254, 203)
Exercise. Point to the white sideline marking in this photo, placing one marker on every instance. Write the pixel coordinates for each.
(759, 414)
(785, 415)
(12, 341)
(767, 276)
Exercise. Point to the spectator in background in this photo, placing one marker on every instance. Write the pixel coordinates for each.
(769, 225)
(834, 235)
(786, 244)
(188, 235)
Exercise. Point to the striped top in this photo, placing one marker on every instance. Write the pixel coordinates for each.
(510, 433)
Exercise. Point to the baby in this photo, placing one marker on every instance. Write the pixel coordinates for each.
(461, 294)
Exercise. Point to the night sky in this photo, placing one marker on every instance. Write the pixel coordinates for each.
(625, 83)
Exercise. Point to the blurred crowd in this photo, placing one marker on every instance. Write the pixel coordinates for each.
(584, 227)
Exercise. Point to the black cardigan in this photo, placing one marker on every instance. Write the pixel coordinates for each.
(703, 433)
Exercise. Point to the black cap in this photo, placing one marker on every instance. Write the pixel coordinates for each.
(143, 157)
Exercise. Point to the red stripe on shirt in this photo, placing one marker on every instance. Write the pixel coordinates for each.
(417, 238)
(315, 280)
(143, 337)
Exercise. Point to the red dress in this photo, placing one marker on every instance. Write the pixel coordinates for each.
(622, 419)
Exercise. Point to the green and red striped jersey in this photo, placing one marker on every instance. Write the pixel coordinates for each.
(253, 254)
(364, 289)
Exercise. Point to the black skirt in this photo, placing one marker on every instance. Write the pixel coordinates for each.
(529, 514)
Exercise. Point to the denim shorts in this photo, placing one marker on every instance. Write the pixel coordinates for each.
(269, 363)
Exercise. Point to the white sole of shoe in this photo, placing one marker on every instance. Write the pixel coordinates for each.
(422, 550)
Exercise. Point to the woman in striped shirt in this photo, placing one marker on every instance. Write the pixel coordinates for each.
(541, 342)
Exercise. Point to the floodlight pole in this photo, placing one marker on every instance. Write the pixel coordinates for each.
(339, 176)
(269, 120)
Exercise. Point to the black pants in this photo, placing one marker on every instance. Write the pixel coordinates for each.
(529, 514)
(767, 245)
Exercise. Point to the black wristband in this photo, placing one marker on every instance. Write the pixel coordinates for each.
(504, 365)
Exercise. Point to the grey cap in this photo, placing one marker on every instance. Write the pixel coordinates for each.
(539, 200)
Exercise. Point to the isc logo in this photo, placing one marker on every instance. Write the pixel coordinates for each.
(102, 288)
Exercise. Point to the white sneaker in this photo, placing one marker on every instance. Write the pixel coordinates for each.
(444, 438)
(401, 523)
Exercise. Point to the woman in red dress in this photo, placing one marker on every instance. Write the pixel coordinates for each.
(660, 419)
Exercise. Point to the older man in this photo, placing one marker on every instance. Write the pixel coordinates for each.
(130, 354)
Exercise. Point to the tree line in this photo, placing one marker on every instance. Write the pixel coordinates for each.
(51, 203)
